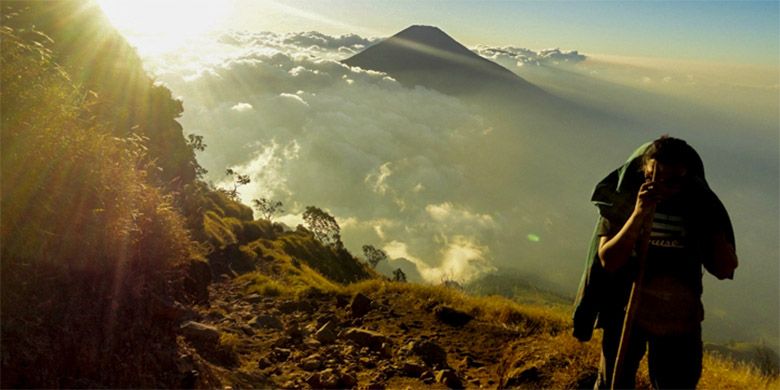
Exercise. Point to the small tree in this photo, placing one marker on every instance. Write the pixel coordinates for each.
(399, 275)
(323, 225)
(373, 255)
(267, 207)
(240, 180)
(195, 142)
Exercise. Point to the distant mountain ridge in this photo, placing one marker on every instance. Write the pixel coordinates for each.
(427, 56)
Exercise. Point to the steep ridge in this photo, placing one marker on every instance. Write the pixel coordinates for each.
(427, 56)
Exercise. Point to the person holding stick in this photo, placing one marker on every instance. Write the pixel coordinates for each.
(659, 224)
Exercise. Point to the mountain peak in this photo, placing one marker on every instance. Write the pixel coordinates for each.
(427, 56)
(432, 37)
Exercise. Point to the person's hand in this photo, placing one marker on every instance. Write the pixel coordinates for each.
(648, 197)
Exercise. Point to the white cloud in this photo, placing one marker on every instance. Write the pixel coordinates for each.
(461, 259)
(242, 107)
(448, 214)
(515, 57)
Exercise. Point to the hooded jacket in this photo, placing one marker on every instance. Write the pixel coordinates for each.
(603, 295)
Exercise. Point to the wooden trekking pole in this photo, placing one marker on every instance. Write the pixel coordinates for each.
(633, 299)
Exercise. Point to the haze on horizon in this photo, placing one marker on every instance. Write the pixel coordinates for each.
(397, 166)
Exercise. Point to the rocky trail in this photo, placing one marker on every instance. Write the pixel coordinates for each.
(328, 340)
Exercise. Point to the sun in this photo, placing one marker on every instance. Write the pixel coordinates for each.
(164, 25)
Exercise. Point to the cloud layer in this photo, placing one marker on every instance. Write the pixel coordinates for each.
(382, 158)
(514, 57)
(452, 190)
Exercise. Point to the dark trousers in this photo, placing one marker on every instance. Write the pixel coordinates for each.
(674, 361)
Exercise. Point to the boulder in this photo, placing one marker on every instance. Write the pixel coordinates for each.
(347, 381)
(264, 321)
(360, 305)
(412, 369)
(254, 298)
(200, 335)
(312, 363)
(280, 354)
(451, 316)
(327, 333)
(523, 376)
(329, 379)
(288, 307)
(449, 378)
(366, 338)
(431, 353)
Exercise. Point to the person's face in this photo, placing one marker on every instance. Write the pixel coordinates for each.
(669, 178)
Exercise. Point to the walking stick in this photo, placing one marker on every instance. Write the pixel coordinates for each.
(633, 300)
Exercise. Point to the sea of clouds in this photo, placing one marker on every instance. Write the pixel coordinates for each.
(403, 169)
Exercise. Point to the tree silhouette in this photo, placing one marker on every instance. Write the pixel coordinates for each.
(267, 207)
(240, 180)
(373, 255)
(399, 275)
(323, 225)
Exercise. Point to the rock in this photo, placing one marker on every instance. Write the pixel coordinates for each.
(312, 363)
(430, 353)
(347, 381)
(322, 320)
(214, 316)
(366, 338)
(293, 331)
(200, 335)
(427, 377)
(523, 376)
(327, 333)
(306, 307)
(329, 379)
(451, 316)
(449, 378)
(167, 309)
(360, 305)
(197, 279)
(367, 362)
(314, 380)
(264, 363)
(469, 362)
(264, 321)
(341, 301)
(412, 369)
(288, 307)
(312, 343)
(280, 354)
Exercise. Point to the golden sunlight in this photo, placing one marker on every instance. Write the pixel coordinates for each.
(164, 25)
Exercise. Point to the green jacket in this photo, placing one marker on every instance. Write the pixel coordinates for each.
(603, 295)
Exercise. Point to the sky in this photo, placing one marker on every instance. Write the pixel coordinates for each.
(745, 31)
(262, 82)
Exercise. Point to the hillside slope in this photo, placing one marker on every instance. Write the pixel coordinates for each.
(381, 334)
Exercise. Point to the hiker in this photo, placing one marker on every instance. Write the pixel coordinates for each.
(658, 211)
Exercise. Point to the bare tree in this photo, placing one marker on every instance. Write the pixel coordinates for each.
(267, 207)
(240, 180)
(373, 255)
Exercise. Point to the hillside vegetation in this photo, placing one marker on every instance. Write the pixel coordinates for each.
(121, 268)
